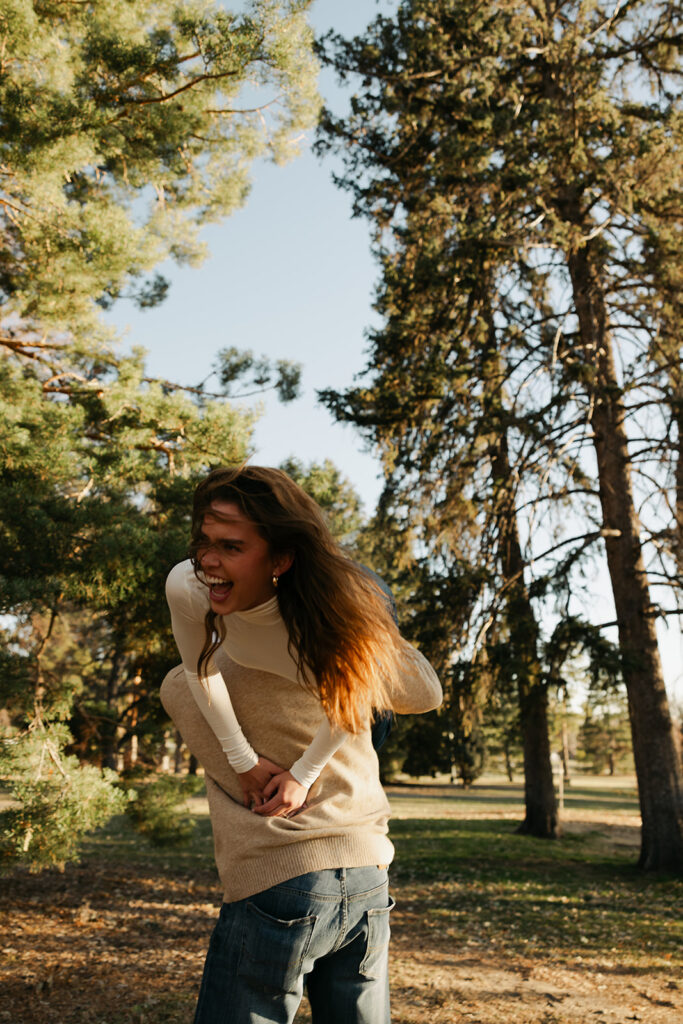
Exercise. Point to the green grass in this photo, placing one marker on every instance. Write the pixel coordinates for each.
(119, 844)
(594, 795)
(566, 898)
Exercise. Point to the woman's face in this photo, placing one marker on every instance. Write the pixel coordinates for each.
(237, 562)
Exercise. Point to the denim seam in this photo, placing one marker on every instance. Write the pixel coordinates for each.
(323, 897)
(344, 909)
(374, 917)
(368, 892)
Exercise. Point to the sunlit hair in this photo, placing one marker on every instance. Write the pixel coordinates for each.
(341, 632)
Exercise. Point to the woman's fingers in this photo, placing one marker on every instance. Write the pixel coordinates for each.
(276, 809)
(282, 796)
(254, 780)
(271, 788)
(251, 798)
(271, 808)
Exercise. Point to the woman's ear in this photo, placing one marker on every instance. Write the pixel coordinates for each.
(283, 562)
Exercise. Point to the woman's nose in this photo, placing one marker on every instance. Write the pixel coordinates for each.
(209, 557)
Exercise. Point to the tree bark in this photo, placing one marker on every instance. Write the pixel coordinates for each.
(678, 539)
(508, 762)
(541, 814)
(109, 728)
(178, 757)
(540, 805)
(565, 743)
(658, 768)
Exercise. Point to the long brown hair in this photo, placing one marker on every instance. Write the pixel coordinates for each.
(341, 632)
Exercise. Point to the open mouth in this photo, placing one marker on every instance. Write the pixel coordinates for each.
(219, 589)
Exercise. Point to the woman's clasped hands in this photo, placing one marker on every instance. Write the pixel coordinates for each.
(271, 791)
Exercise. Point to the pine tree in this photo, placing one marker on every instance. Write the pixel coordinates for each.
(96, 493)
(520, 167)
(604, 734)
(126, 128)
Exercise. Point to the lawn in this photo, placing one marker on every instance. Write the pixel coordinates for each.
(490, 927)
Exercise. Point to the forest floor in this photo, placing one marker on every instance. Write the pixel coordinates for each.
(490, 927)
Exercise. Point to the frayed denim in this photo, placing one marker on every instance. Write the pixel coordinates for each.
(327, 929)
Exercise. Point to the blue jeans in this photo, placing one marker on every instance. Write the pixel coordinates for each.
(329, 928)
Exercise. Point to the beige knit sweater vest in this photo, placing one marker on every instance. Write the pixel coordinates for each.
(345, 822)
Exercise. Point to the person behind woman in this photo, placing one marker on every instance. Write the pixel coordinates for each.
(307, 648)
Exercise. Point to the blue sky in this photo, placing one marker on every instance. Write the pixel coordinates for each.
(291, 276)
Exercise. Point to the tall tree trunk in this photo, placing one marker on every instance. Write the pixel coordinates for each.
(540, 804)
(508, 761)
(565, 747)
(541, 815)
(658, 767)
(39, 680)
(178, 756)
(678, 539)
(130, 755)
(109, 733)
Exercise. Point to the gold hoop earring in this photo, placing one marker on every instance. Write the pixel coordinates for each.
(275, 580)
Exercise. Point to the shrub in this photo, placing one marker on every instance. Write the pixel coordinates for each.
(158, 811)
(60, 800)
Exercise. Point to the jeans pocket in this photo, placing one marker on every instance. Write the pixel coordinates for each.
(374, 963)
(273, 951)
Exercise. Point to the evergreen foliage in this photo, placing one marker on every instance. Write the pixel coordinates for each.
(521, 170)
(604, 740)
(502, 732)
(159, 812)
(336, 496)
(59, 800)
(126, 127)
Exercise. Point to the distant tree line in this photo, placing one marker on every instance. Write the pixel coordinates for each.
(594, 740)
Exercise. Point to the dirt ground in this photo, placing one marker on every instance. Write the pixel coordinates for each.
(458, 979)
(119, 944)
(486, 987)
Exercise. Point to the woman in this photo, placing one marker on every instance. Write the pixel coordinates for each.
(307, 649)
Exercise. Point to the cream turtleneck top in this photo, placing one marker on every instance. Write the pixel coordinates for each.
(257, 639)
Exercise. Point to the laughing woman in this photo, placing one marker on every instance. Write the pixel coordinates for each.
(288, 647)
